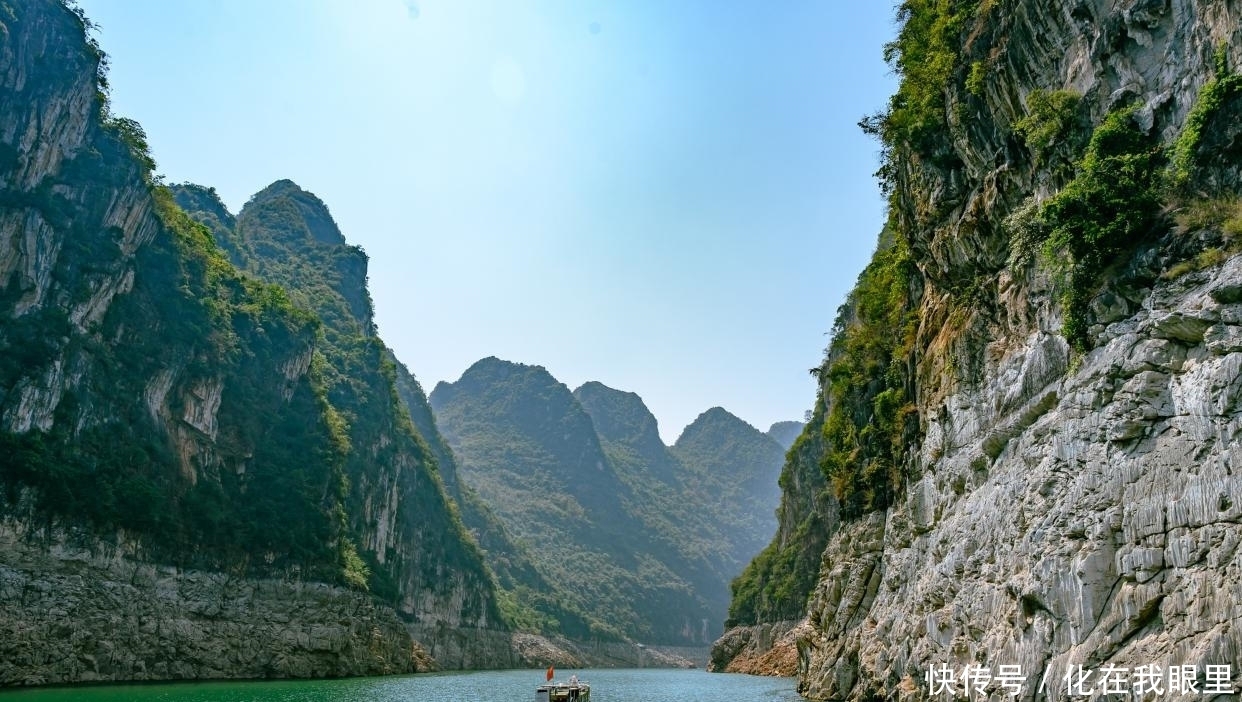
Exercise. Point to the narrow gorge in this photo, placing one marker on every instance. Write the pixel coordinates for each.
(1023, 452)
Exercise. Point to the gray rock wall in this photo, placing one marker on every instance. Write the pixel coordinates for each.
(759, 649)
(74, 609)
(1067, 510)
(1088, 518)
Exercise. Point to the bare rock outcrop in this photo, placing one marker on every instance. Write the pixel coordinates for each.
(1094, 522)
(75, 609)
(759, 649)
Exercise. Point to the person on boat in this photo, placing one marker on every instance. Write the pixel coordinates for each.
(573, 686)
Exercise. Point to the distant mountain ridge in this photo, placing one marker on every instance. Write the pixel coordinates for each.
(736, 467)
(583, 478)
(785, 433)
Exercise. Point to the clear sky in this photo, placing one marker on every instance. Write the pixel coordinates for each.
(668, 196)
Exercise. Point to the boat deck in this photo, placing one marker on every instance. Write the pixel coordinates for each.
(563, 692)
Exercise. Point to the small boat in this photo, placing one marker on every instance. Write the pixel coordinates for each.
(564, 692)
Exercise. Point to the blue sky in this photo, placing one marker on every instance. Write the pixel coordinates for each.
(669, 197)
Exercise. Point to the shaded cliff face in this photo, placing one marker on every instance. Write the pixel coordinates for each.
(531, 451)
(156, 407)
(1055, 483)
(136, 360)
(408, 533)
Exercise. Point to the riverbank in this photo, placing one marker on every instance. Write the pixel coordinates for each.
(761, 649)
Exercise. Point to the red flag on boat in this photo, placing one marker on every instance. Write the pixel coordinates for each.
(551, 673)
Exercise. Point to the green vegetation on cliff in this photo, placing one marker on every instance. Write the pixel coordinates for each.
(1050, 118)
(1213, 103)
(218, 325)
(286, 236)
(956, 159)
(1113, 201)
(925, 55)
(145, 357)
(775, 585)
(870, 415)
(153, 394)
(850, 458)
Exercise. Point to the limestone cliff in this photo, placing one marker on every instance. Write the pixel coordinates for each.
(124, 401)
(75, 610)
(1040, 466)
(405, 525)
(184, 480)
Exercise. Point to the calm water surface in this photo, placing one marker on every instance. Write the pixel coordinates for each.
(491, 686)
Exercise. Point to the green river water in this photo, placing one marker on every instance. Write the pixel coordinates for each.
(646, 685)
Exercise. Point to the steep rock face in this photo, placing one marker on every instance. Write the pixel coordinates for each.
(91, 612)
(406, 528)
(1070, 494)
(126, 414)
(1117, 537)
(49, 127)
(123, 399)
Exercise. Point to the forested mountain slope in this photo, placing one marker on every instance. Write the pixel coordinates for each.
(709, 498)
(785, 433)
(635, 537)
